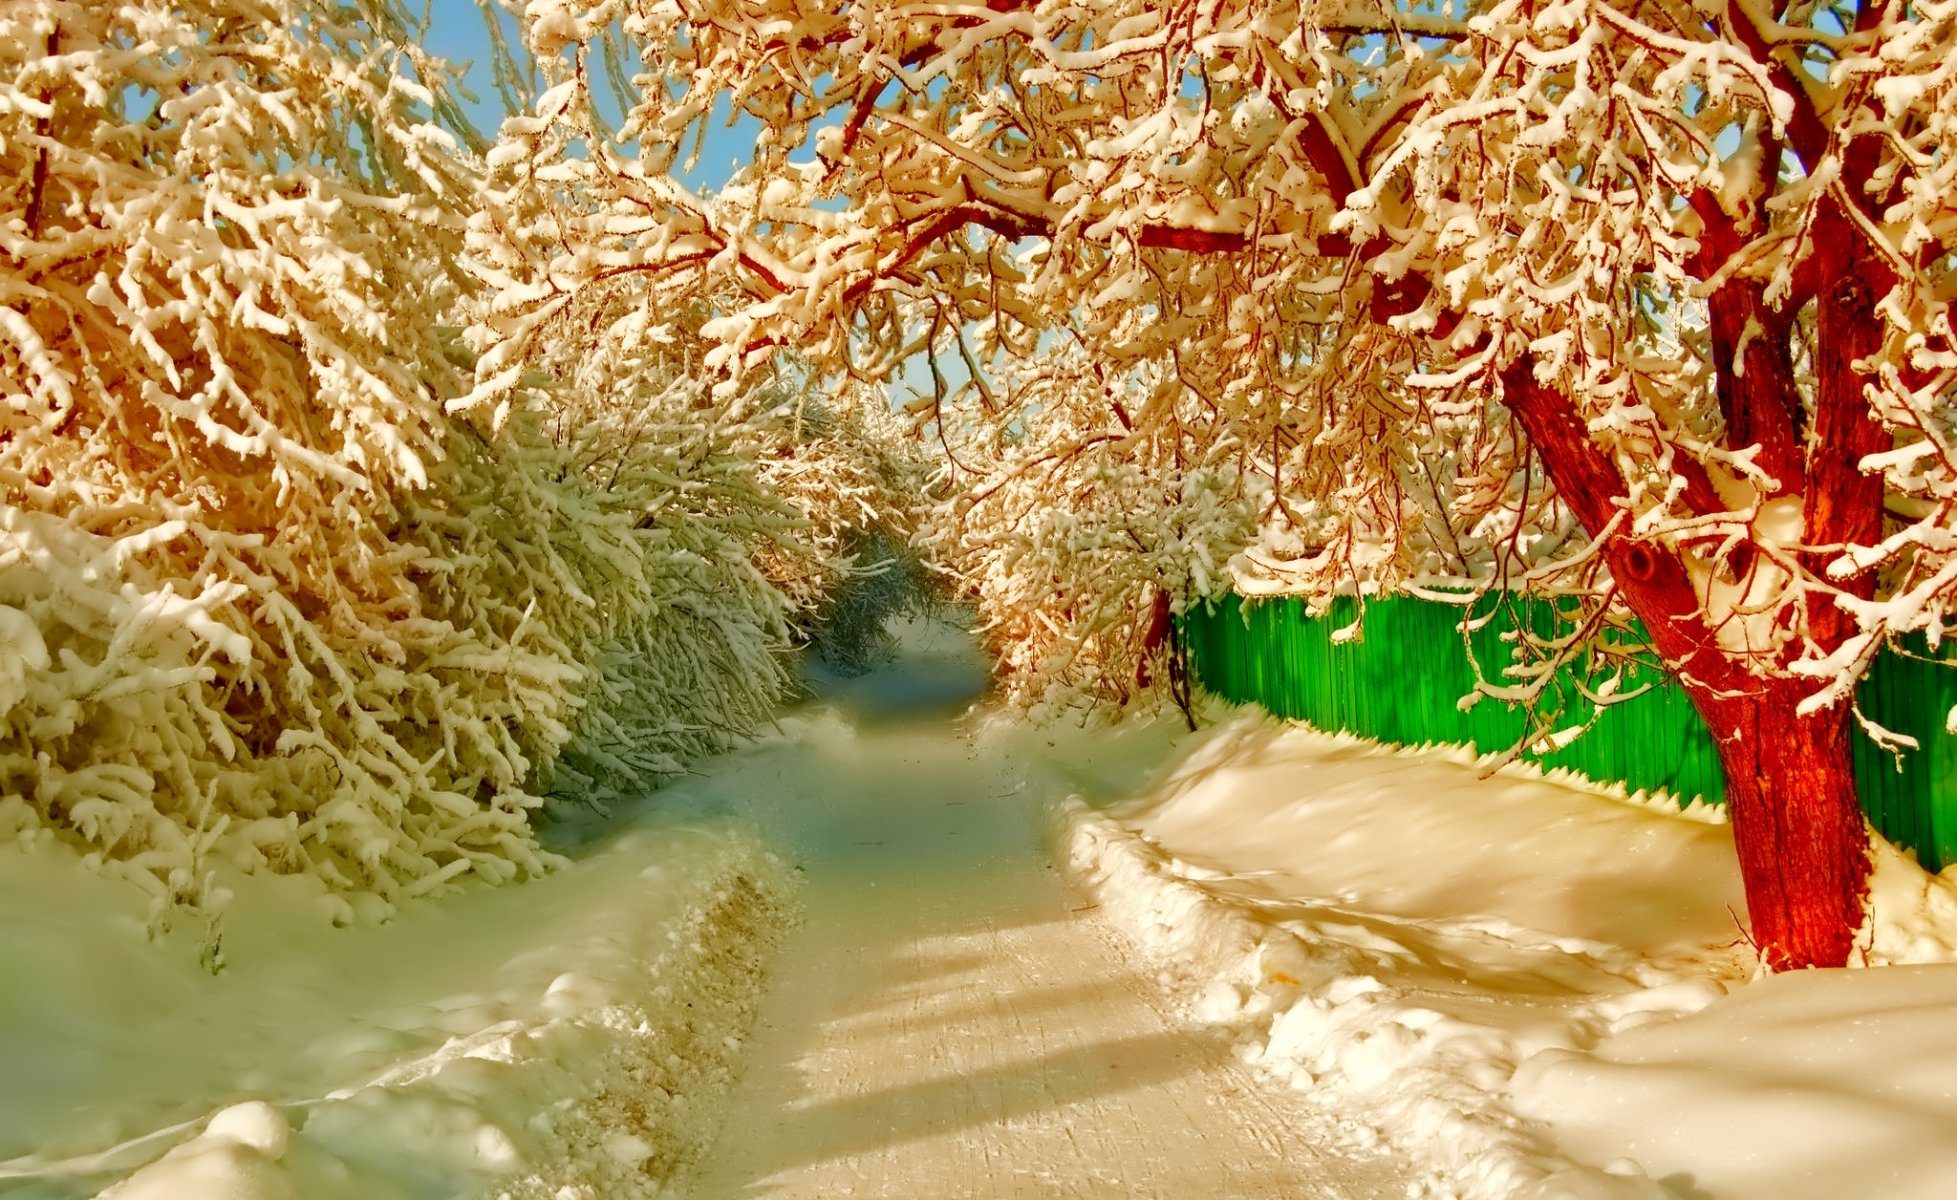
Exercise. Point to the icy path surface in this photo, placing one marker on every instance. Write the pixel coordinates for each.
(952, 1021)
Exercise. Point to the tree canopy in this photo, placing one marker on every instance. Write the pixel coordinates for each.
(1647, 303)
(382, 463)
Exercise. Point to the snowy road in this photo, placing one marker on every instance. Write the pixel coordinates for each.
(952, 1021)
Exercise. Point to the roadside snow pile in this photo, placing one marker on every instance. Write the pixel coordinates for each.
(568, 1039)
(1912, 914)
(1526, 981)
(1816, 1085)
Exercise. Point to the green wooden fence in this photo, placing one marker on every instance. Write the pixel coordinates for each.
(1402, 682)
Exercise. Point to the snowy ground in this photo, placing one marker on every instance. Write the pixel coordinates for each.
(568, 1038)
(1297, 965)
(1537, 988)
(947, 1020)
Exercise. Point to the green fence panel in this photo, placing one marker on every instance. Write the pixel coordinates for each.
(1401, 674)
(1914, 794)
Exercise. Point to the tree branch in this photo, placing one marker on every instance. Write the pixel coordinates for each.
(1752, 357)
(1652, 579)
(1805, 131)
(1844, 503)
(43, 129)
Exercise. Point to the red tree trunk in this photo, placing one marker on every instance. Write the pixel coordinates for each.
(1798, 828)
(1790, 787)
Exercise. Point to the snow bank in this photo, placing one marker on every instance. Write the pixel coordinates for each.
(1539, 988)
(1808, 1086)
(569, 1039)
(1397, 936)
(1911, 914)
(1815, 1085)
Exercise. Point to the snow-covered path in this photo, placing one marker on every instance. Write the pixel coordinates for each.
(952, 1021)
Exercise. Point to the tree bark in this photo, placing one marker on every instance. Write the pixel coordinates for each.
(1797, 825)
(1844, 502)
(1752, 356)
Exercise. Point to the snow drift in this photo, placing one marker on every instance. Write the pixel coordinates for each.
(573, 1038)
(1537, 985)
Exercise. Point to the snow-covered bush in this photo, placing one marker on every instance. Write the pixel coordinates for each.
(586, 326)
(664, 521)
(226, 233)
(277, 592)
(838, 455)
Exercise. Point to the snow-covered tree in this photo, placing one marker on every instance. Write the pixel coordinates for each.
(613, 340)
(294, 574)
(1076, 539)
(1685, 266)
